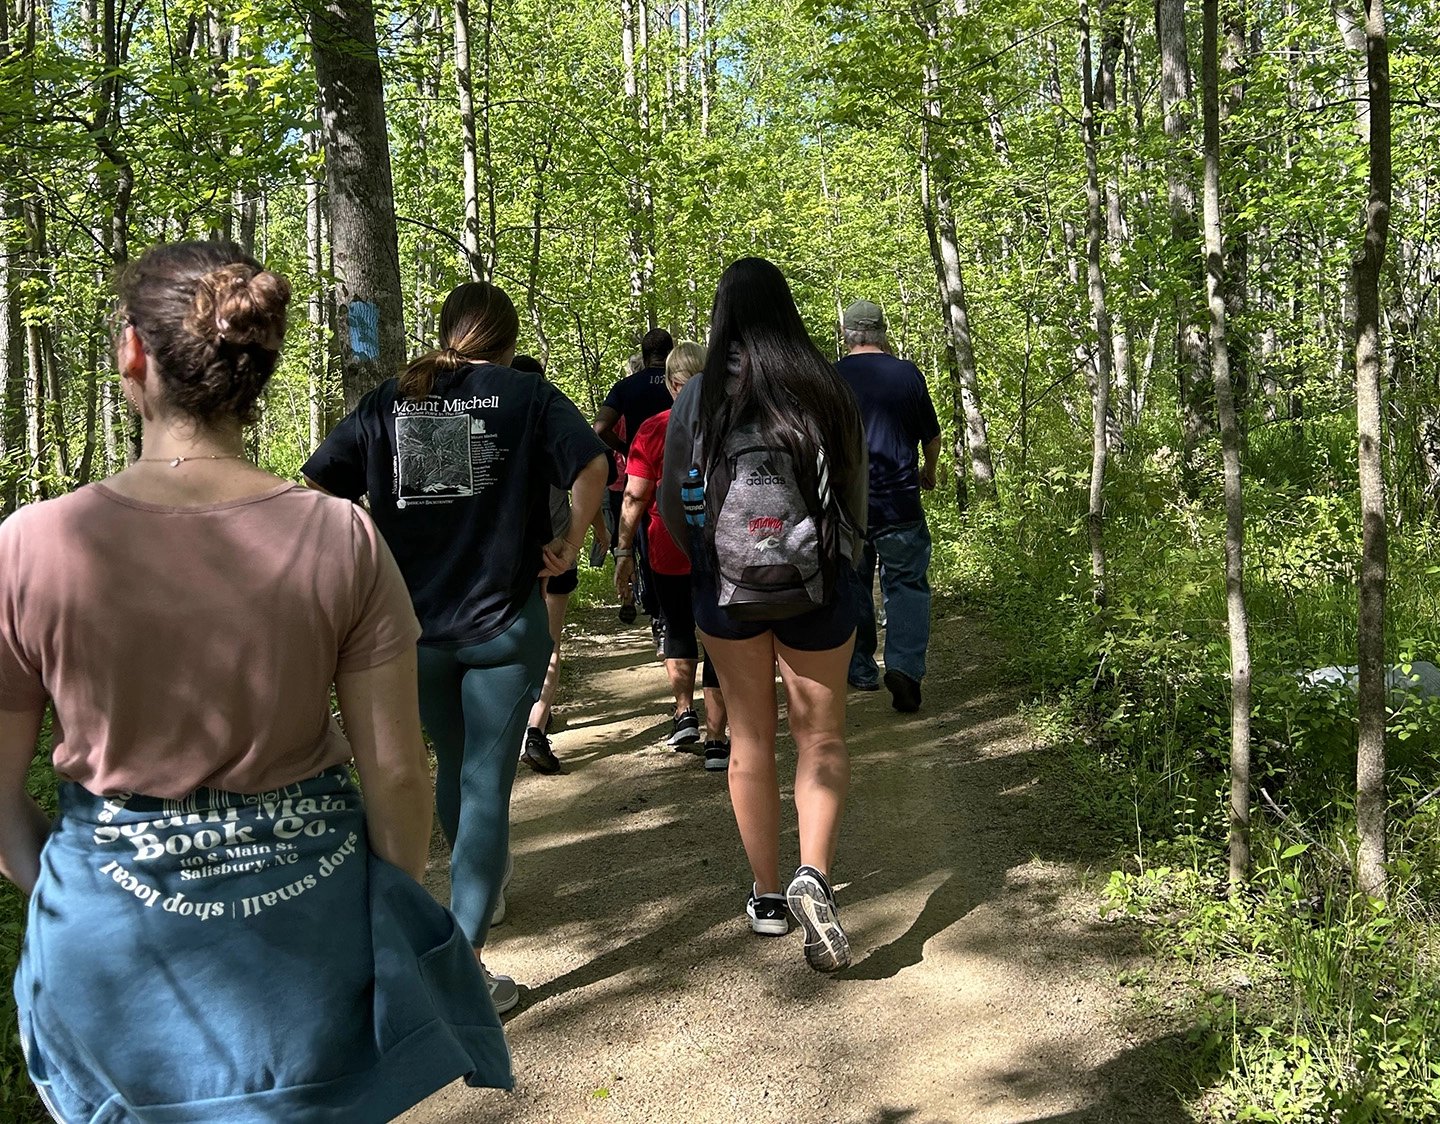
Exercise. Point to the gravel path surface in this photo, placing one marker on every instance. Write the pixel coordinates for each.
(984, 984)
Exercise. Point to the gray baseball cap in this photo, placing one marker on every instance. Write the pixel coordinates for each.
(863, 316)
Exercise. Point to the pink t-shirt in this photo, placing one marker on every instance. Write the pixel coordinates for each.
(194, 646)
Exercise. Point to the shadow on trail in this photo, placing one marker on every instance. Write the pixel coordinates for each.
(631, 883)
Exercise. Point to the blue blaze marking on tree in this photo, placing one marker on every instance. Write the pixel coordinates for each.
(364, 320)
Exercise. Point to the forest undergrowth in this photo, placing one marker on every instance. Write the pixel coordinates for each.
(1307, 1002)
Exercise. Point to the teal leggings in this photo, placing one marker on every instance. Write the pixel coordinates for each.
(474, 701)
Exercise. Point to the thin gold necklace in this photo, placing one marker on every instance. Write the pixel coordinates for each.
(175, 462)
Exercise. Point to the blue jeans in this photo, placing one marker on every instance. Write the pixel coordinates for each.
(903, 552)
(474, 701)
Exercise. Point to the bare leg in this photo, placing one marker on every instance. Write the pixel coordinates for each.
(815, 691)
(715, 716)
(555, 605)
(682, 682)
(747, 676)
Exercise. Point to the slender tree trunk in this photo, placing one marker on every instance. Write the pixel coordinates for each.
(950, 281)
(1370, 811)
(537, 217)
(1095, 285)
(319, 352)
(1112, 46)
(1176, 94)
(703, 12)
(1230, 444)
(470, 231)
(487, 71)
(361, 194)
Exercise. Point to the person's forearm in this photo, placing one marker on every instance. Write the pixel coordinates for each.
(585, 496)
(381, 710)
(931, 452)
(630, 513)
(397, 813)
(23, 826)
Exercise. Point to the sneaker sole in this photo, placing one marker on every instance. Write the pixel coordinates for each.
(827, 949)
(716, 765)
(768, 928)
(684, 737)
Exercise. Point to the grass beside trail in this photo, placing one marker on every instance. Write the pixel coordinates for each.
(1303, 1001)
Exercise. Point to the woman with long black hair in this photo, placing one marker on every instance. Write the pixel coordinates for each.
(458, 456)
(773, 436)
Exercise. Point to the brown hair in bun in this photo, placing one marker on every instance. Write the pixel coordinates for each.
(212, 319)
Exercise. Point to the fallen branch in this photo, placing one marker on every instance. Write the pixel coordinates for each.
(1300, 831)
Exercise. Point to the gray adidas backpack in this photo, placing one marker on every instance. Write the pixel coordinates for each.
(772, 541)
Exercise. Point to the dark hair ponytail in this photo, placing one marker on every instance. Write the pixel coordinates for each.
(783, 384)
(477, 321)
(212, 320)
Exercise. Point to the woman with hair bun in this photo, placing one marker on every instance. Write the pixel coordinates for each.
(458, 456)
(219, 927)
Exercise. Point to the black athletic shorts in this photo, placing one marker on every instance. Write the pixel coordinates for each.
(817, 631)
(565, 583)
(673, 593)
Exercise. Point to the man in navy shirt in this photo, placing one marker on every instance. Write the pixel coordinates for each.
(898, 413)
(636, 399)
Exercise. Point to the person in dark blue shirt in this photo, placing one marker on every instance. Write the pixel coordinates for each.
(636, 399)
(899, 416)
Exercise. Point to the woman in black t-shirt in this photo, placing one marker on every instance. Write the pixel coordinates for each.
(458, 456)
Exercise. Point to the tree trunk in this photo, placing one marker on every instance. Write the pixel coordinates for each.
(361, 194)
(537, 217)
(1370, 811)
(1230, 444)
(1112, 46)
(470, 230)
(319, 352)
(950, 281)
(1095, 285)
(1176, 93)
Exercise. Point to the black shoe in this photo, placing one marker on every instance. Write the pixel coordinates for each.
(627, 613)
(657, 633)
(827, 949)
(685, 728)
(717, 755)
(537, 753)
(904, 691)
(768, 914)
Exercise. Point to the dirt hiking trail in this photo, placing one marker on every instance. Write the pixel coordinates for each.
(984, 984)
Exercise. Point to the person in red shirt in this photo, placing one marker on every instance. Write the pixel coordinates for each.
(671, 567)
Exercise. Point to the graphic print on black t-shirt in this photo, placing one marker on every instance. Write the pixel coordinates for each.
(459, 484)
(441, 455)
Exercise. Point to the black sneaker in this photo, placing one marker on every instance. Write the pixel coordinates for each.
(657, 633)
(685, 728)
(717, 755)
(537, 753)
(826, 947)
(904, 691)
(627, 613)
(768, 914)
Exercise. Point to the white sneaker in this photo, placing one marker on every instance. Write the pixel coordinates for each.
(503, 991)
(499, 914)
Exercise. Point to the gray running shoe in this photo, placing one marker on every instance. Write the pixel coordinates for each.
(717, 756)
(685, 728)
(499, 914)
(503, 991)
(827, 949)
